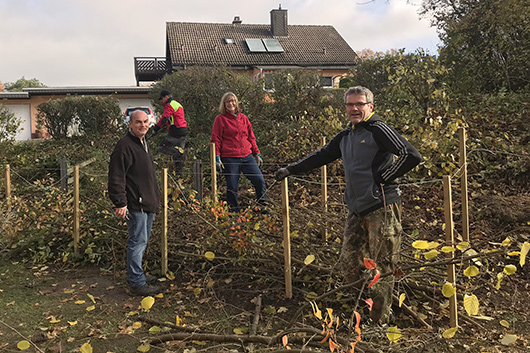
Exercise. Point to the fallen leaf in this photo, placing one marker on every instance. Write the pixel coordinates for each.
(309, 259)
(393, 334)
(450, 332)
(508, 339)
(369, 263)
(86, 348)
(23, 345)
(147, 302)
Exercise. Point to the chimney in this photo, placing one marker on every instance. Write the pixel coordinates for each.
(279, 22)
(236, 21)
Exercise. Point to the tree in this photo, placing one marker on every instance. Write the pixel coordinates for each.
(487, 42)
(23, 83)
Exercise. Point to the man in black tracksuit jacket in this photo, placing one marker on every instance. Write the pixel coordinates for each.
(368, 148)
(133, 189)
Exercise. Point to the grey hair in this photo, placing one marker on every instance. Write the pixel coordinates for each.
(222, 108)
(360, 90)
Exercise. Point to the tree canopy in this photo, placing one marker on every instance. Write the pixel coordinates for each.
(23, 83)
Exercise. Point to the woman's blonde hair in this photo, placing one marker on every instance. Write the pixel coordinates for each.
(222, 108)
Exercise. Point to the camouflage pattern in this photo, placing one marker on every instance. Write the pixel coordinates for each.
(175, 147)
(376, 236)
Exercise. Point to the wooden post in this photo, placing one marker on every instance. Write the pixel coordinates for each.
(463, 182)
(214, 172)
(286, 240)
(8, 186)
(76, 209)
(449, 241)
(64, 174)
(163, 243)
(197, 178)
(324, 189)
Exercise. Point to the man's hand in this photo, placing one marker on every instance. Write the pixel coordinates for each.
(258, 159)
(121, 212)
(282, 173)
(220, 166)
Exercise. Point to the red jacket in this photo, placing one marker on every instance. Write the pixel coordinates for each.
(233, 136)
(174, 114)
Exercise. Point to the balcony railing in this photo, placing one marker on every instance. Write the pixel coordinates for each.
(150, 69)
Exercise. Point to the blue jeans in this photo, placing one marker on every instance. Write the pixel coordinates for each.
(233, 167)
(139, 225)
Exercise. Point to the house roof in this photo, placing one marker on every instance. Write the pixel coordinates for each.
(307, 46)
(87, 90)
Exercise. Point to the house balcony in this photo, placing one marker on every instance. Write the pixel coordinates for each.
(150, 69)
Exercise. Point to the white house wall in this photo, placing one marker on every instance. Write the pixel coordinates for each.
(23, 112)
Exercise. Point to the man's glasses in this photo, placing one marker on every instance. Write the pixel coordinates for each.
(357, 105)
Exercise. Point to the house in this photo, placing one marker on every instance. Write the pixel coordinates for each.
(25, 104)
(254, 49)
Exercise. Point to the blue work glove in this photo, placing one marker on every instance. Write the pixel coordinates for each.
(220, 166)
(258, 159)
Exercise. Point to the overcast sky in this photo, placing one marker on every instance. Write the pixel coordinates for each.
(93, 42)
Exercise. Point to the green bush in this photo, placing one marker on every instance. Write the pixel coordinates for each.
(9, 124)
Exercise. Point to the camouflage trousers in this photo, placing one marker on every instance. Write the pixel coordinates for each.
(175, 147)
(376, 236)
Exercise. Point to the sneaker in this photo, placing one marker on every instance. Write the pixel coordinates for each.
(145, 290)
(149, 278)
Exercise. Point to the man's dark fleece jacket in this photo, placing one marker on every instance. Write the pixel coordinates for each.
(367, 150)
(132, 176)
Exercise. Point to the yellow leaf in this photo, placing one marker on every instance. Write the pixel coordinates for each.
(448, 290)
(143, 348)
(471, 271)
(91, 298)
(309, 259)
(330, 314)
(508, 339)
(136, 325)
(170, 276)
(510, 269)
(462, 245)
(504, 323)
(514, 253)
(433, 245)
(132, 313)
(506, 242)
(90, 308)
(86, 348)
(311, 295)
(178, 320)
(448, 249)
(420, 244)
(23, 345)
(431, 254)
(450, 332)
(197, 291)
(53, 320)
(78, 302)
(500, 276)
(159, 296)
(316, 310)
(154, 329)
(72, 323)
(256, 226)
(393, 334)
(69, 291)
(524, 252)
(471, 304)
(147, 302)
(402, 299)
(209, 255)
(240, 330)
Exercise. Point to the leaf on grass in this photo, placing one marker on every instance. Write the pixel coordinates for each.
(91, 298)
(393, 334)
(504, 323)
(510, 269)
(376, 278)
(524, 251)
(86, 348)
(79, 302)
(209, 255)
(90, 308)
(23, 345)
(402, 299)
(420, 244)
(136, 325)
(147, 303)
(448, 249)
(370, 303)
(69, 291)
(154, 329)
(369, 263)
(450, 332)
(431, 254)
(471, 271)
(143, 348)
(54, 320)
(508, 339)
(309, 259)
(471, 304)
(500, 276)
(448, 290)
(462, 245)
(72, 323)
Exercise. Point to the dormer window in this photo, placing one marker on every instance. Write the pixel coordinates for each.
(229, 41)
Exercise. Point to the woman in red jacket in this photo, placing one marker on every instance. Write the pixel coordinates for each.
(236, 150)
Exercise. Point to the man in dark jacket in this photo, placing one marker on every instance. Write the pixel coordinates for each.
(368, 148)
(174, 143)
(133, 189)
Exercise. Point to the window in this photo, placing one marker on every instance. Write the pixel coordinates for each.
(229, 41)
(326, 81)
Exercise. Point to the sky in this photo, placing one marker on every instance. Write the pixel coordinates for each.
(94, 42)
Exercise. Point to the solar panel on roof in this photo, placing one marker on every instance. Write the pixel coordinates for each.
(255, 45)
(272, 45)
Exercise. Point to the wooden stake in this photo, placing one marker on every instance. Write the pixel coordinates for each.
(449, 241)
(76, 209)
(324, 188)
(214, 172)
(197, 178)
(463, 182)
(8, 186)
(286, 240)
(163, 243)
